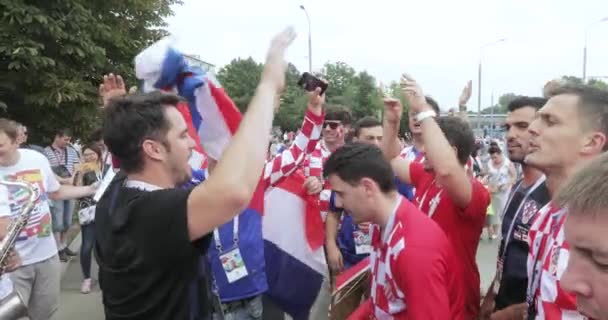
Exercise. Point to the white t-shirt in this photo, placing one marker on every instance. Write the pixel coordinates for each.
(36, 242)
(6, 285)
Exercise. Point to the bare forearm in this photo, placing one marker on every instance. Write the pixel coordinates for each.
(235, 172)
(390, 142)
(438, 150)
(67, 192)
(331, 227)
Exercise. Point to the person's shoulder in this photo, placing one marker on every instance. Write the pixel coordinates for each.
(417, 226)
(32, 155)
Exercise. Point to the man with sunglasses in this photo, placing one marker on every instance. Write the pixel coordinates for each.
(22, 140)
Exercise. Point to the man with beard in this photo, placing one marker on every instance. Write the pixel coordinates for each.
(150, 232)
(506, 297)
(569, 132)
(444, 190)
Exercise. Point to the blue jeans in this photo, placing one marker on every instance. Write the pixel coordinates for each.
(61, 211)
(86, 250)
(251, 310)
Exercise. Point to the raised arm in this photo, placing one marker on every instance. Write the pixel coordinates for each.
(450, 173)
(235, 178)
(286, 162)
(390, 127)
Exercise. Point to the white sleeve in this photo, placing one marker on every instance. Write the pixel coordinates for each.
(50, 181)
(5, 208)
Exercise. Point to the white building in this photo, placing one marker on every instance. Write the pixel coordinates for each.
(195, 60)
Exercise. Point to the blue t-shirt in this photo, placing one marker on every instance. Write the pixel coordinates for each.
(251, 246)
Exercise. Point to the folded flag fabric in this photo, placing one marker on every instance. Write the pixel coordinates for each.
(294, 270)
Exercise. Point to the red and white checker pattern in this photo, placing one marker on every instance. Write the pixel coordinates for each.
(548, 257)
(284, 163)
(313, 167)
(387, 297)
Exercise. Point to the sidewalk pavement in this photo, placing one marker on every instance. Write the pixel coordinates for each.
(74, 305)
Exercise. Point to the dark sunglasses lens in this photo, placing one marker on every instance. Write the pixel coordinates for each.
(332, 125)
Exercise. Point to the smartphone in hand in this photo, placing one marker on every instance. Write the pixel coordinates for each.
(309, 83)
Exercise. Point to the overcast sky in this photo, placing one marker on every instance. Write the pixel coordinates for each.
(436, 41)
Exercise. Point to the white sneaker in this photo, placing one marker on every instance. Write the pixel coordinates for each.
(86, 286)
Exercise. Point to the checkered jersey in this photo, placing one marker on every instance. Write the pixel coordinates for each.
(313, 167)
(386, 296)
(304, 144)
(547, 261)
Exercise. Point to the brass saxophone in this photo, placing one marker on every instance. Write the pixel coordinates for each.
(12, 307)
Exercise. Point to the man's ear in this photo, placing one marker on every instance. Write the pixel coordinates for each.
(594, 143)
(152, 149)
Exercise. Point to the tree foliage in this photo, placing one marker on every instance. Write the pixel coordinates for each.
(357, 91)
(54, 52)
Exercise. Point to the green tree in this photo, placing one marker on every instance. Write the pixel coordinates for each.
(240, 78)
(53, 54)
(367, 100)
(598, 83)
(503, 103)
(340, 77)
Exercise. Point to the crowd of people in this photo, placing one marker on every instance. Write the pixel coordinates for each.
(175, 242)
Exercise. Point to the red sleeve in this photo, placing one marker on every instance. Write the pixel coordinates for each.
(480, 200)
(417, 173)
(115, 163)
(363, 312)
(422, 277)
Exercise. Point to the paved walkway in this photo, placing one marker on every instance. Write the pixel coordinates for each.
(77, 306)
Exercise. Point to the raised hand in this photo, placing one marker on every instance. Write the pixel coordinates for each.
(316, 100)
(413, 93)
(112, 86)
(275, 67)
(392, 110)
(466, 94)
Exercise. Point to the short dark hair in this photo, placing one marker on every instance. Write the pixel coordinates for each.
(431, 102)
(355, 161)
(366, 122)
(524, 101)
(459, 135)
(494, 149)
(130, 120)
(10, 128)
(338, 113)
(592, 104)
(63, 132)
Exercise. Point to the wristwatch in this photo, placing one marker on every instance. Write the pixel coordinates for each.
(425, 114)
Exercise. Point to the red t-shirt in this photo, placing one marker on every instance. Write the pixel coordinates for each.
(463, 227)
(413, 271)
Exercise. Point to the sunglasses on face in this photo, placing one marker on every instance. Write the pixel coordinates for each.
(332, 125)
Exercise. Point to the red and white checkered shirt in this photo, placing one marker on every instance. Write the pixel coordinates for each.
(313, 167)
(547, 261)
(386, 296)
(305, 143)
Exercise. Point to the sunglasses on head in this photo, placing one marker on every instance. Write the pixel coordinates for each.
(332, 125)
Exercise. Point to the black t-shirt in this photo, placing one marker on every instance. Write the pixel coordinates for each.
(514, 282)
(147, 263)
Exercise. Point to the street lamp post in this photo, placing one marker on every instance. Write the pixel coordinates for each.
(479, 78)
(585, 48)
(309, 40)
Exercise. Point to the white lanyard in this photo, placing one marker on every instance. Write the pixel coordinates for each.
(538, 182)
(235, 234)
(434, 203)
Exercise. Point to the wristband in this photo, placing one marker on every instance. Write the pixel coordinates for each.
(425, 114)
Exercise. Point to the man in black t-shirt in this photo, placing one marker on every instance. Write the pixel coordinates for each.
(150, 234)
(506, 296)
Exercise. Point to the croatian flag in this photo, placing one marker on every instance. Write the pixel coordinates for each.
(294, 270)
